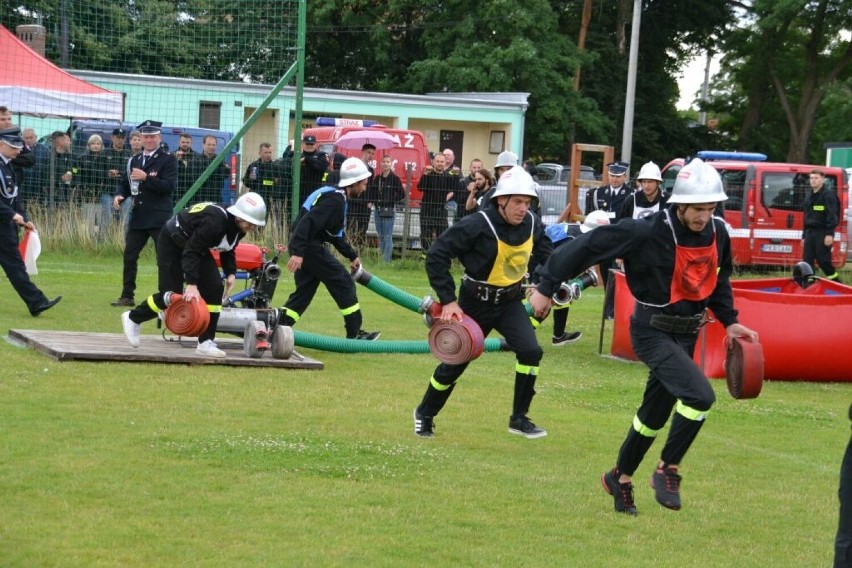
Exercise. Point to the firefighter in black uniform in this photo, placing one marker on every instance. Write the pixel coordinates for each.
(313, 164)
(822, 213)
(496, 246)
(321, 220)
(11, 217)
(150, 180)
(677, 263)
(609, 198)
(183, 255)
(648, 199)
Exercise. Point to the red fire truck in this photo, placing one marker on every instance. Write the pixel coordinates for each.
(765, 205)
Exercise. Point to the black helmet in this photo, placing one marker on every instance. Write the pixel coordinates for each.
(803, 274)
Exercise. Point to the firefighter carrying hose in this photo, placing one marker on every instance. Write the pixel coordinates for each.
(183, 255)
(677, 263)
(495, 246)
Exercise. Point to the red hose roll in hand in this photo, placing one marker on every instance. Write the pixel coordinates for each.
(187, 319)
(744, 368)
(455, 342)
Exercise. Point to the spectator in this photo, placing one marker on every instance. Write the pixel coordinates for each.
(59, 183)
(505, 161)
(314, 164)
(33, 181)
(185, 157)
(135, 142)
(150, 183)
(321, 220)
(358, 216)
(383, 193)
(117, 155)
(93, 171)
(211, 190)
(11, 219)
(332, 176)
(438, 187)
(461, 196)
(529, 166)
(264, 177)
(481, 184)
(450, 158)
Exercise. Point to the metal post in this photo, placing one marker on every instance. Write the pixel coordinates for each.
(630, 97)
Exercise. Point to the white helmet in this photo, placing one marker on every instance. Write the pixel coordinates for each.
(515, 181)
(594, 220)
(697, 182)
(506, 159)
(650, 171)
(250, 207)
(352, 170)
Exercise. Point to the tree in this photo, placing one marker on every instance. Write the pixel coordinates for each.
(782, 63)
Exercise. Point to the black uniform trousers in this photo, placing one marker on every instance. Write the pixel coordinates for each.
(843, 541)
(814, 248)
(673, 377)
(16, 270)
(134, 241)
(170, 278)
(319, 266)
(510, 320)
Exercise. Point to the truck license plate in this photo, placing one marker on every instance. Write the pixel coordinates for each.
(776, 248)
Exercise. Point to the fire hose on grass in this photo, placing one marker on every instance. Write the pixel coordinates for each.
(456, 342)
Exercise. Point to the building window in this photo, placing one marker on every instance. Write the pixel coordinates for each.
(209, 114)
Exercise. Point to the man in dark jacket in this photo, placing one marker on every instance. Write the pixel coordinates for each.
(11, 218)
(321, 220)
(822, 214)
(496, 246)
(150, 181)
(314, 164)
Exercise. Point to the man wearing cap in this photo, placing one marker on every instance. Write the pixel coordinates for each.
(313, 166)
(117, 156)
(321, 220)
(26, 158)
(609, 198)
(11, 217)
(149, 181)
(677, 263)
(495, 246)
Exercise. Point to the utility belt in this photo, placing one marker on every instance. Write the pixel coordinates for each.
(682, 325)
(492, 294)
(176, 233)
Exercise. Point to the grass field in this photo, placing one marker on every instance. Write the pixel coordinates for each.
(121, 464)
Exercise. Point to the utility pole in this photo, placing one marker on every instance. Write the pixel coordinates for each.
(630, 97)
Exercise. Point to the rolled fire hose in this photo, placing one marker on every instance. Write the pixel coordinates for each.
(455, 342)
(188, 319)
(744, 368)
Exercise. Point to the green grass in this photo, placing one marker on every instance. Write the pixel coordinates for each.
(122, 464)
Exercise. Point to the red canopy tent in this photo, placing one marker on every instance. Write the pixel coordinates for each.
(30, 84)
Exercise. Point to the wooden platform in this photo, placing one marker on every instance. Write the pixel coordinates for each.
(83, 346)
